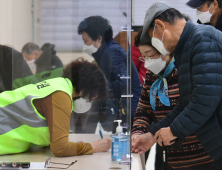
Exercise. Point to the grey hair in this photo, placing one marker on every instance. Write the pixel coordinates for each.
(29, 48)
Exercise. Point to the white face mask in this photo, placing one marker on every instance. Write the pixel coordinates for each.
(204, 17)
(159, 44)
(81, 105)
(155, 65)
(90, 49)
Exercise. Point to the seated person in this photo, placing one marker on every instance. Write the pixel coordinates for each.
(40, 113)
(41, 60)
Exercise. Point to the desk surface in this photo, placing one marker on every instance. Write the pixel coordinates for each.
(97, 161)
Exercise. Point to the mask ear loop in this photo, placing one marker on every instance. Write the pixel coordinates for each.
(98, 45)
(212, 12)
(154, 30)
(210, 7)
(163, 35)
(166, 57)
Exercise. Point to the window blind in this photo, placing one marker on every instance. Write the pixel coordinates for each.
(60, 19)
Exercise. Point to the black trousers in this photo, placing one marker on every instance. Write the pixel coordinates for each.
(218, 164)
(159, 161)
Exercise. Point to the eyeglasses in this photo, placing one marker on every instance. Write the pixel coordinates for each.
(142, 59)
(48, 162)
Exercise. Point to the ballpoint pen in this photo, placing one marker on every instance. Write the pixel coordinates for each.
(101, 135)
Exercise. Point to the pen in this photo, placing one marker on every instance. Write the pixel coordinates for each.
(101, 135)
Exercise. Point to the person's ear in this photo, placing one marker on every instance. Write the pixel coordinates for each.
(94, 97)
(215, 3)
(100, 39)
(160, 25)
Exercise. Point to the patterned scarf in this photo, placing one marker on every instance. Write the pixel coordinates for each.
(161, 86)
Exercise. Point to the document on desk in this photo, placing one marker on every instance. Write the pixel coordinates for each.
(37, 165)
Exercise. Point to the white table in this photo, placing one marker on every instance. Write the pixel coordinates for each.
(97, 161)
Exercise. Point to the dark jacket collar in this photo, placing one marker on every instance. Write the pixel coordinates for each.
(98, 54)
(183, 38)
(198, 21)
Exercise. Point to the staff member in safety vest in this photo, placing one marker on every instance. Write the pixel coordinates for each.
(40, 113)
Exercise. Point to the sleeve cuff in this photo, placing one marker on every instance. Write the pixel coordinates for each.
(175, 132)
(153, 128)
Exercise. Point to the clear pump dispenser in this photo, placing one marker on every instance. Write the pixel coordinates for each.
(119, 144)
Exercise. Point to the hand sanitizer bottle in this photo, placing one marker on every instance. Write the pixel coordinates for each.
(119, 144)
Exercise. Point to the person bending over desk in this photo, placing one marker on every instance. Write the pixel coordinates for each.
(40, 113)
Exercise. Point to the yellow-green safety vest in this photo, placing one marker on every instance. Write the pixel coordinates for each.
(20, 123)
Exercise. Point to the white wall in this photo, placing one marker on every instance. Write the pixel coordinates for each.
(15, 23)
(6, 22)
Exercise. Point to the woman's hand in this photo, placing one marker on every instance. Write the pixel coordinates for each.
(133, 139)
(143, 143)
(164, 135)
(101, 145)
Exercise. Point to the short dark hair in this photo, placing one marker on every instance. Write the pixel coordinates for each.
(96, 26)
(29, 48)
(171, 15)
(209, 2)
(87, 78)
(137, 41)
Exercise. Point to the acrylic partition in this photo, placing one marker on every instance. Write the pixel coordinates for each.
(89, 43)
